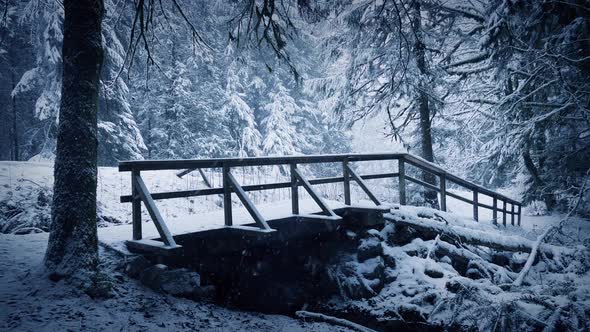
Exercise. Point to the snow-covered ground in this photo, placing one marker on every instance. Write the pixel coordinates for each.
(30, 302)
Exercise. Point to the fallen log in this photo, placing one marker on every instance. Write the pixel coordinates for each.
(454, 233)
(463, 256)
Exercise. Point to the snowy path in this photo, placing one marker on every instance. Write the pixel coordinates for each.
(30, 302)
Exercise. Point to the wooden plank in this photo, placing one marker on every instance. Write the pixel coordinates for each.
(154, 165)
(294, 190)
(154, 212)
(422, 183)
(135, 208)
(443, 192)
(402, 181)
(475, 205)
(495, 210)
(319, 200)
(362, 184)
(152, 246)
(178, 194)
(461, 198)
(423, 164)
(345, 167)
(379, 176)
(248, 204)
(227, 212)
(249, 230)
(504, 213)
(519, 208)
(185, 172)
(252, 187)
(512, 214)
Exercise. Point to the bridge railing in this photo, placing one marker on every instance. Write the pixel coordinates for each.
(140, 193)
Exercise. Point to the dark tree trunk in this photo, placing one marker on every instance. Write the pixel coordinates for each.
(426, 151)
(539, 186)
(72, 251)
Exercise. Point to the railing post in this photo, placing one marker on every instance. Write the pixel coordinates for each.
(135, 207)
(227, 213)
(346, 176)
(512, 214)
(519, 208)
(294, 190)
(504, 212)
(475, 204)
(402, 180)
(443, 192)
(495, 210)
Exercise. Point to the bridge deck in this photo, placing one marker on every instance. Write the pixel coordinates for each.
(116, 236)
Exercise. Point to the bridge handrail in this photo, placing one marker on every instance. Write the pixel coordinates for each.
(136, 167)
(176, 164)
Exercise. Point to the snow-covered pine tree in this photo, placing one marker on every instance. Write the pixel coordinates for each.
(535, 118)
(240, 117)
(280, 137)
(119, 135)
(43, 80)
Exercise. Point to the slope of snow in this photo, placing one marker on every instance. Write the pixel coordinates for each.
(30, 302)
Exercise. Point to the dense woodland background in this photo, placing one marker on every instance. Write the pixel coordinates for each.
(496, 91)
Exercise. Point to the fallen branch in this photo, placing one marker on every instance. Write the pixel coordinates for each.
(452, 233)
(464, 256)
(332, 320)
(546, 233)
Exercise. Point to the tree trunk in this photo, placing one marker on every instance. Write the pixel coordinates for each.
(72, 251)
(539, 186)
(426, 151)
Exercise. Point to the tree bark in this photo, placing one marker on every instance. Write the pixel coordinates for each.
(72, 251)
(539, 185)
(426, 150)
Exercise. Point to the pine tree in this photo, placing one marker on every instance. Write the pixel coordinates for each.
(240, 116)
(280, 137)
(538, 97)
(119, 134)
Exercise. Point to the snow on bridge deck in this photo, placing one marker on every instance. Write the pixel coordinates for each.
(116, 236)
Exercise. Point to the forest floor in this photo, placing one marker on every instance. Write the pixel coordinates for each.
(31, 302)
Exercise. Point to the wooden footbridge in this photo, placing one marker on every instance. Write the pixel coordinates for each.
(236, 237)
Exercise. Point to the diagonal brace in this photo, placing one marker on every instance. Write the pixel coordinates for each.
(319, 201)
(362, 184)
(258, 218)
(150, 205)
